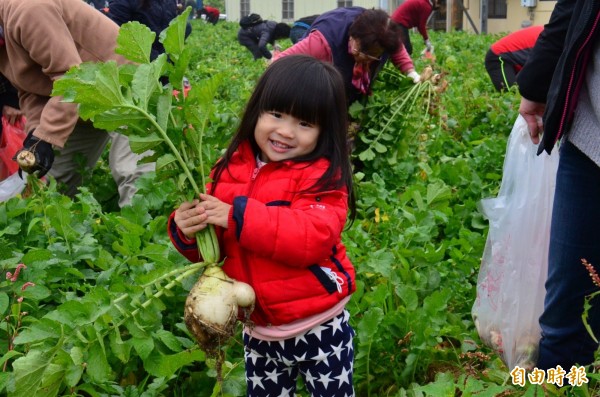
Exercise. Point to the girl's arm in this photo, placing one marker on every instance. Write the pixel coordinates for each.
(186, 246)
(298, 233)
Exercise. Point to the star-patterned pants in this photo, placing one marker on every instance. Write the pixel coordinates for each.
(323, 357)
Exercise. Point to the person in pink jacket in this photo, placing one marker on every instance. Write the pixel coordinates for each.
(279, 199)
(414, 14)
(358, 42)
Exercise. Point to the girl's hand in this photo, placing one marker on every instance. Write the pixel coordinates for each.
(216, 210)
(190, 218)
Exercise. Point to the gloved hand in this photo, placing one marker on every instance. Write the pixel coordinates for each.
(35, 156)
(414, 76)
(428, 47)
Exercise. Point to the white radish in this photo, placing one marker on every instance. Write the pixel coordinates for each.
(211, 308)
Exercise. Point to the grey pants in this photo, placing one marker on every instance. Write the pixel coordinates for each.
(90, 143)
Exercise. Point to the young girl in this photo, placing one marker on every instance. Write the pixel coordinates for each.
(279, 198)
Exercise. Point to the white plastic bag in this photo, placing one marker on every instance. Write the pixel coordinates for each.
(12, 186)
(514, 267)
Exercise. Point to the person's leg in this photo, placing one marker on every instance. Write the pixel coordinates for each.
(85, 144)
(124, 167)
(574, 236)
(269, 372)
(329, 356)
(406, 39)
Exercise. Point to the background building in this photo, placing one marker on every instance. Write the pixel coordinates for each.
(499, 15)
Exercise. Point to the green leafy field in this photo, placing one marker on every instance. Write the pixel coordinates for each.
(105, 314)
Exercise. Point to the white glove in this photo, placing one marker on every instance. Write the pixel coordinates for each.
(414, 76)
(428, 47)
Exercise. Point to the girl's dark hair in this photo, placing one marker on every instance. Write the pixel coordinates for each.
(145, 4)
(374, 28)
(310, 90)
(281, 31)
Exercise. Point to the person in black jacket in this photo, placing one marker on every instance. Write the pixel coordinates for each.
(255, 38)
(559, 82)
(9, 101)
(155, 14)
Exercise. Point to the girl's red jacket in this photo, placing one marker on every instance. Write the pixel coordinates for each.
(282, 240)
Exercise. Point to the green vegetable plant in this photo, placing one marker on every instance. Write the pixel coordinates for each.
(168, 124)
(161, 121)
(105, 314)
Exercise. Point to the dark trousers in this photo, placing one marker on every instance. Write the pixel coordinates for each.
(574, 235)
(501, 72)
(323, 356)
(406, 39)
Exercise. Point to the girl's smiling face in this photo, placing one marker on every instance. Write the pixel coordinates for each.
(281, 136)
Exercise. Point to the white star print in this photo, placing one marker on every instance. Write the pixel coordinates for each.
(269, 359)
(272, 375)
(349, 345)
(252, 355)
(300, 338)
(309, 378)
(282, 344)
(288, 370)
(343, 377)
(256, 381)
(288, 363)
(337, 350)
(336, 324)
(317, 331)
(285, 392)
(300, 358)
(322, 356)
(325, 379)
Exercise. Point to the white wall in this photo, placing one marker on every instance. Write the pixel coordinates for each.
(272, 9)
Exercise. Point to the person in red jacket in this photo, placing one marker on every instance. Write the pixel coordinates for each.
(414, 14)
(279, 199)
(211, 14)
(506, 57)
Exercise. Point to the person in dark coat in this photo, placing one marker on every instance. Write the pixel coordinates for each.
(300, 27)
(559, 82)
(9, 101)
(155, 14)
(256, 38)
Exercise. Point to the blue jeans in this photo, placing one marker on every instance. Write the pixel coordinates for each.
(574, 235)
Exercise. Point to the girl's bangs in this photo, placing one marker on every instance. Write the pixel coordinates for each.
(300, 96)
